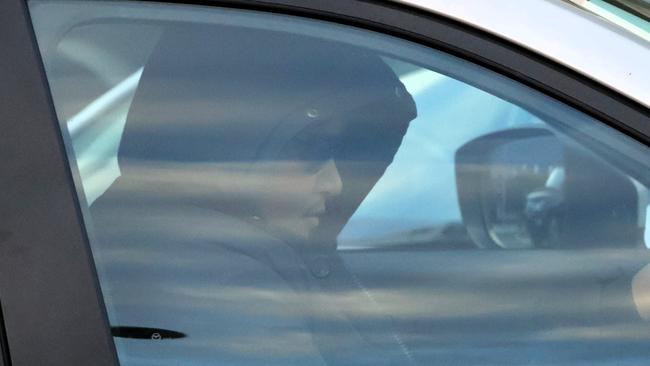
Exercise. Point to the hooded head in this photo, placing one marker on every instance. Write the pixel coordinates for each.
(286, 130)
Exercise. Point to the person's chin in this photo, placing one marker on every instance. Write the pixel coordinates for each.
(306, 227)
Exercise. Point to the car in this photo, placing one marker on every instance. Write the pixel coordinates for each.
(305, 182)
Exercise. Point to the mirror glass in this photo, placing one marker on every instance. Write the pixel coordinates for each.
(523, 192)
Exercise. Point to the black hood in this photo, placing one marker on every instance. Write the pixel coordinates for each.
(224, 94)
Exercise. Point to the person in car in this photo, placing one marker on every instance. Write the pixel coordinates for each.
(244, 154)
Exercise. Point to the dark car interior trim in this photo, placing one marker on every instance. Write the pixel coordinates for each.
(5, 357)
(53, 310)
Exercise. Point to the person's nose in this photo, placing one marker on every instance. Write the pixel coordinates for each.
(328, 179)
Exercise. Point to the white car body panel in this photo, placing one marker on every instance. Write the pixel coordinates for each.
(562, 32)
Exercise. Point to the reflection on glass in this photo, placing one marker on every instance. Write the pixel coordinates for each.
(268, 190)
(646, 234)
(523, 193)
(253, 167)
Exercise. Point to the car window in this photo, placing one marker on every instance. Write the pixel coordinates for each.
(267, 189)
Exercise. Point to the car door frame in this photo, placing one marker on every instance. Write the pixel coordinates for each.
(50, 297)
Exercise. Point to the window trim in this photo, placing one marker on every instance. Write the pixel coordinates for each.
(5, 358)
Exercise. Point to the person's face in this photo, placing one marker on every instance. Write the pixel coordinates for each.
(294, 194)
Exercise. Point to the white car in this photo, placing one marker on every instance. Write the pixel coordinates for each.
(304, 182)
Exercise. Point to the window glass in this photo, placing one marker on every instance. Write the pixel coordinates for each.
(263, 189)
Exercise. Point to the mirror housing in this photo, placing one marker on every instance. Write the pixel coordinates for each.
(526, 188)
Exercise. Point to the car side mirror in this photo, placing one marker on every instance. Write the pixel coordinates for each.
(526, 188)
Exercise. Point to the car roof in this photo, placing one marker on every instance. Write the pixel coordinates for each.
(563, 32)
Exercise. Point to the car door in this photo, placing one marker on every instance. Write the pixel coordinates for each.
(42, 239)
(454, 248)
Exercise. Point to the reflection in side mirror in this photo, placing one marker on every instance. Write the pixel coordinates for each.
(646, 234)
(525, 188)
(543, 212)
(511, 186)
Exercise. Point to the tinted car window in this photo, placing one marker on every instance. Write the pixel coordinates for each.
(266, 189)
